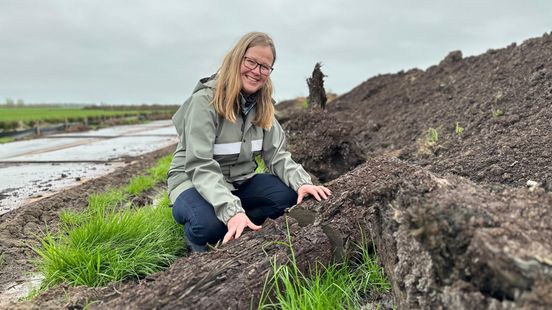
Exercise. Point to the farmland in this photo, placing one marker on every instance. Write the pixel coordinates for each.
(13, 118)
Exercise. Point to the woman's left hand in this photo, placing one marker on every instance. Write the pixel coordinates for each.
(318, 191)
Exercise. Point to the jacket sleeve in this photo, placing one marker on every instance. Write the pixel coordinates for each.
(200, 122)
(279, 161)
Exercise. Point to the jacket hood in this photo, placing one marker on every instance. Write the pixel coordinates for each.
(208, 82)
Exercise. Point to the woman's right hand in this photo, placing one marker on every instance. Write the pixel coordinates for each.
(236, 225)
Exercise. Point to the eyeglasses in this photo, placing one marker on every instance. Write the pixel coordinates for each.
(252, 65)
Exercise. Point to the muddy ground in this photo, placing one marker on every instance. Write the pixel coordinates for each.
(461, 220)
(19, 228)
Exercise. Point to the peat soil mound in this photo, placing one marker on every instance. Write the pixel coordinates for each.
(501, 101)
(482, 126)
(448, 172)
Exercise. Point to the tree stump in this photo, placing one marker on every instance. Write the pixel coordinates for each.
(317, 93)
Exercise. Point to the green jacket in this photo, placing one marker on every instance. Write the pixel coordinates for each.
(213, 153)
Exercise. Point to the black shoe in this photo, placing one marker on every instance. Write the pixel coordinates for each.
(195, 248)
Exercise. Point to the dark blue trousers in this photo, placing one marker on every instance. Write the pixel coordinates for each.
(262, 196)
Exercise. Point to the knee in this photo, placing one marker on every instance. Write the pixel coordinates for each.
(283, 198)
(286, 197)
(290, 197)
(198, 217)
(280, 194)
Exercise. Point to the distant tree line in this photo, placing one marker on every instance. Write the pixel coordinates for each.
(145, 107)
(10, 103)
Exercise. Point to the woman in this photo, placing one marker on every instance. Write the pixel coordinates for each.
(222, 127)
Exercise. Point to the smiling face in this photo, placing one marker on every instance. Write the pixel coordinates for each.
(251, 79)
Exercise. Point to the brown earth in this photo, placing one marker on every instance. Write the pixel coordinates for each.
(461, 221)
(503, 101)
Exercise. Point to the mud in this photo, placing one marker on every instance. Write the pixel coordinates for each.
(31, 182)
(461, 220)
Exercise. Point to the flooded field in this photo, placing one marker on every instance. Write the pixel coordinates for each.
(38, 168)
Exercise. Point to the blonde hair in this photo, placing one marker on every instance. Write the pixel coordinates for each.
(227, 92)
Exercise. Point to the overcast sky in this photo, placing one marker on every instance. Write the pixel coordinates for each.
(148, 51)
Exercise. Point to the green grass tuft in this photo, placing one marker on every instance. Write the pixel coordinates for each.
(112, 199)
(164, 201)
(112, 246)
(159, 171)
(496, 113)
(432, 136)
(156, 174)
(458, 129)
(110, 242)
(338, 286)
(140, 184)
